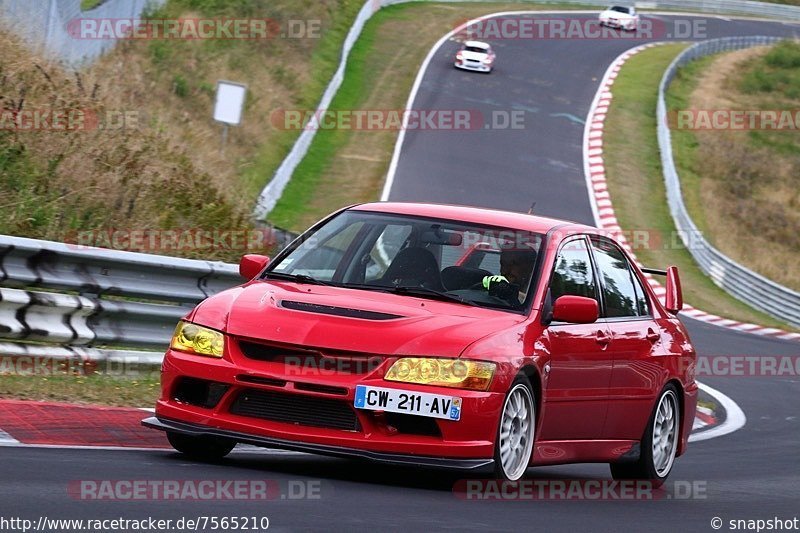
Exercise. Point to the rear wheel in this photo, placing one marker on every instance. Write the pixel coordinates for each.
(660, 442)
(202, 448)
(515, 434)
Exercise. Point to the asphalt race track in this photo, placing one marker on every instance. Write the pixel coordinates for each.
(749, 474)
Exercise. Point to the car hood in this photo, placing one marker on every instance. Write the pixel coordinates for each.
(615, 15)
(317, 316)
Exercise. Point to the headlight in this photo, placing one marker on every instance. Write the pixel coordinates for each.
(455, 373)
(192, 338)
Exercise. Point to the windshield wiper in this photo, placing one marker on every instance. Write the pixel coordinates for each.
(426, 292)
(412, 291)
(299, 278)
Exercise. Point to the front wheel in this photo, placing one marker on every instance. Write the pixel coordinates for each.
(660, 442)
(200, 447)
(515, 434)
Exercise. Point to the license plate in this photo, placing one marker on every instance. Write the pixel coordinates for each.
(409, 402)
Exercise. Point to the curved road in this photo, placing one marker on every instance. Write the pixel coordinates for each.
(749, 474)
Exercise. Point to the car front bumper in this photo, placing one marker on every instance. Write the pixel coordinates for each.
(198, 430)
(375, 434)
(477, 67)
(619, 24)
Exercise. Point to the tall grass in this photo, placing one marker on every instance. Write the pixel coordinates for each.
(56, 183)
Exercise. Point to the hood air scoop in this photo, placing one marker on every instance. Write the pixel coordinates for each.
(337, 311)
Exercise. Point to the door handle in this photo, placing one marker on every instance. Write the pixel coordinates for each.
(652, 336)
(602, 338)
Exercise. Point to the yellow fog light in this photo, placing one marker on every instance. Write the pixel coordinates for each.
(456, 373)
(196, 339)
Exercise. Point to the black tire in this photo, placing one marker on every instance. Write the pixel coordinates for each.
(646, 468)
(199, 447)
(521, 386)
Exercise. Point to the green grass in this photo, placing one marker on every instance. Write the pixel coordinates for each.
(636, 183)
(86, 5)
(778, 72)
(684, 142)
(139, 390)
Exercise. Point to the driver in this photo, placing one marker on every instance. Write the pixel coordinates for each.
(516, 268)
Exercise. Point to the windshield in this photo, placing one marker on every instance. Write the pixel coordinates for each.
(621, 9)
(476, 49)
(417, 256)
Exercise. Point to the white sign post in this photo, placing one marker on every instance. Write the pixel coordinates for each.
(228, 106)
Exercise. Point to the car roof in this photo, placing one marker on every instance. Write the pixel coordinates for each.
(477, 215)
(477, 44)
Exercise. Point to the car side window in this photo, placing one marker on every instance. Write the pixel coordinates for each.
(573, 274)
(642, 303)
(616, 279)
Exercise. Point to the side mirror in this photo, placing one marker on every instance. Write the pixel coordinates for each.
(674, 298)
(575, 310)
(251, 264)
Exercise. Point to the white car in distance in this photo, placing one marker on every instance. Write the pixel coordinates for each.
(622, 17)
(475, 55)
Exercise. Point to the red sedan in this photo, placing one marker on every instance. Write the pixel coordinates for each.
(438, 335)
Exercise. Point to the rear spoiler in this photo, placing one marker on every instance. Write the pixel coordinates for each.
(673, 299)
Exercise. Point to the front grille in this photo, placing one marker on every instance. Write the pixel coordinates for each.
(296, 409)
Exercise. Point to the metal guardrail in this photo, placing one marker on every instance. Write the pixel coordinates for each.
(119, 299)
(33, 263)
(741, 282)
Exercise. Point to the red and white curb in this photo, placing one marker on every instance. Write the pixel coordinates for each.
(704, 417)
(603, 210)
(7, 439)
(735, 418)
